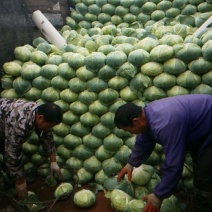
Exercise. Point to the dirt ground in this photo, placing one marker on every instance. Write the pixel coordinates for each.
(45, 194)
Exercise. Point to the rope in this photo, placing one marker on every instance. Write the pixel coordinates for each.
(188, 168)
(50, 208)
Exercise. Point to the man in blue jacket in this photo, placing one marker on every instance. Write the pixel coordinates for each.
(180, 124)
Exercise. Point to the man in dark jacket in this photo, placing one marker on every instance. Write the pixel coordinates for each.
(181, 123)
(18, 120)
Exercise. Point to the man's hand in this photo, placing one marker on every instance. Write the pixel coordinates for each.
(128, 169)
(56, 169)
(21, 188)
(153, 203)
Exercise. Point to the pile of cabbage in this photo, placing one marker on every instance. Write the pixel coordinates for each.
(117, 51)
(127, 196)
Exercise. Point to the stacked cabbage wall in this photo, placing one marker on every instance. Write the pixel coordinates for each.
(118, 51)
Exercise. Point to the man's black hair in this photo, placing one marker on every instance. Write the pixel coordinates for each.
(51, 112)
(126, 113)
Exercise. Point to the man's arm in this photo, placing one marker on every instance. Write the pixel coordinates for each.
(142, 149)
(13, 156)
(47, 142)
(173, 142)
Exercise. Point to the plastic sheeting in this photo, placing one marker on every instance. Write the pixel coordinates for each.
(17, 27)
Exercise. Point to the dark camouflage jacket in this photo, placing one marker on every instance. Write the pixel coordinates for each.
(17, 119)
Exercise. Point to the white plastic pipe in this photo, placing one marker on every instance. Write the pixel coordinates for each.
(48, 30)
(199, 31)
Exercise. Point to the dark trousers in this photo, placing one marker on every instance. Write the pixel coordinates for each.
(202, 165)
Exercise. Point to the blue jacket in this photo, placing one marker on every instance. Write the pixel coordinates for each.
(176, 123)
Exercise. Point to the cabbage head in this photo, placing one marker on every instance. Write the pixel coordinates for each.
(84, 74)
(82, 152)
(138, 57)
(177, 90)
(94, 61)
(100, 131)
(59, 83)
(127, 70)
(61, 129)
(33, 94)
(49, 71)
(21, 85)
(82, 176)
(108, 95)
(65, 71)
(142, 174)
(74, 163)
(107, 120)
(68, 96)
(100, 177)
(202, 89)
(153, 93)
(72, 141)
(63, 152)
(200, 66)
(151, 69)
(140, 191)
(171, 40)
(111, 166)
(112, 142)
(63, 190)
(187, 52)
(116, 58)
(30, 70)
(147, 44)
(106, 73)
(89, 120)
(38, 57)
(126, 186)
(76, 85)
(22, 53)
(96, 85)
(164, 81)
(174, 66)
(168, 205)
(78, 107)
(41, 83)
(117, 82)
(50, 94)
(9, 93)
(207, 78)
(127, 94)
(84, 198)
(206, 50)
(139, 83)
(92, 164)
(120, 200)
(111, 183)
(136, 205)
(161, 53)
(98, 108)
(122, 154)
(92, 142)
(12, 68)
(102, 154)
(188, 79)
